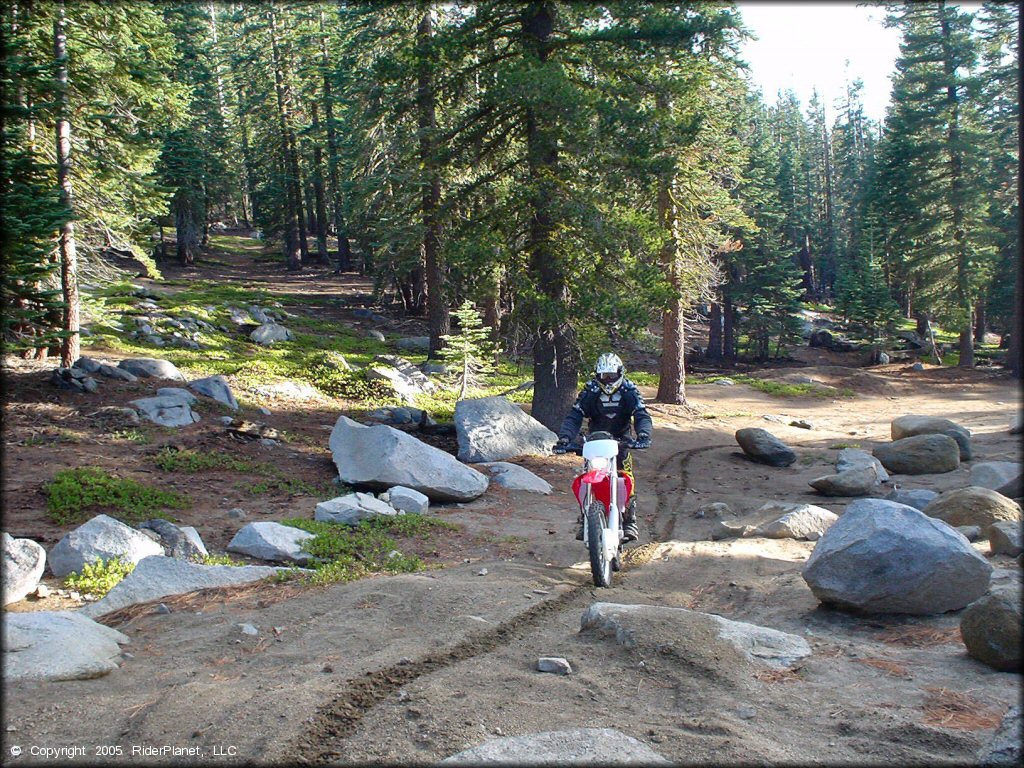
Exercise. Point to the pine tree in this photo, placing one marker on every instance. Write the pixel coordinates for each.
(468, 354)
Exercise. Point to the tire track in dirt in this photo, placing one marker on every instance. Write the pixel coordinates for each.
(666, 487)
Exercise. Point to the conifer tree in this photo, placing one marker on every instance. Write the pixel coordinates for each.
(469, 354)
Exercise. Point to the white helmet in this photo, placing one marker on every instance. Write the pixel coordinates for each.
(608, 373)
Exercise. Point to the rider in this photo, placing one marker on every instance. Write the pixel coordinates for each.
(612, 403)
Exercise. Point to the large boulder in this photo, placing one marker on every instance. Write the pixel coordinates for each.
(516, 478)
(380, 457)
(353, 509)
(763, 447)
(157, 577)
(860, 481)
(994, 474)
(991, 629)
(854, 458)
(578, 746)
(883, 557)
(24, 561)
(1013, 489)
(407, 500)
(151, 368)
(973, 506)
(494, 428)
(217, 388)
(911, 425)
(100, 539)
(58, 645)
(270, 333)
(167, 410)
(920, 455)
(178, 541)
(272, 541)
(789, 520)
(1005, 746)
(634, 625)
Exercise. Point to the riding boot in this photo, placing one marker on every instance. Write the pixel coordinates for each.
(579, 527)
(630, 531)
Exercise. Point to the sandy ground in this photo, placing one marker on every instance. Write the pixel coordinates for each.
(411, 669)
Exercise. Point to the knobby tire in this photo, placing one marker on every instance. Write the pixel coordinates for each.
(600, 566)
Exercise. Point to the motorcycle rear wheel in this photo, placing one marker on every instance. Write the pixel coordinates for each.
(600, 564)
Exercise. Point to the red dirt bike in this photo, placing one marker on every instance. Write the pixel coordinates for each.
(602, 494)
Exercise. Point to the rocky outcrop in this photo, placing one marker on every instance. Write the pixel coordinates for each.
(23, 564)
(381, 457)
(974, 506)
(883, 557)
(100, 539)
(494, 428)
(920, 455)
(157, 577)
(58, 645)
(406, 379)
(763, 447)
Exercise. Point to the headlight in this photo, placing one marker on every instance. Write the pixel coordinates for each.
(599, 462)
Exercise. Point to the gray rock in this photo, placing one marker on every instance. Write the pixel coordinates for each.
(883, 557)
(494, 428)
(1012, 489)
(101, 538)
(725, 382)
(716, 510)
(414, 344)
(801, 424)
(580, 746)
(259, 315)
(994, 474)
(380, 457)
(166, 411)
(974, 506)
(917, 367)
(157, 577)
(750, 643)
(272, 541)
(516, 478)
(920, 455)
(762, 446)
(854, 458)
(177, 392)
(918, 498)
(912, 425)
(1017, 424)
(352, 509)
(406, 379)
(794, 521)
(151, 368)
(557, 665)
(408, 500)
(113, 372)
(217, 388)
(1005, 538)
(883, 358)
(991, 629)
(373, 333)
(175, 541)
(1004, 748)
(270, 333)
(433, 368)
(970, 532)
(58, 645)
(861, 481)
(248, 629)
(24, 561)
(87, 364)
(730, 529)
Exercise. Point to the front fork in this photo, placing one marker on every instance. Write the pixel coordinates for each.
(613, 524)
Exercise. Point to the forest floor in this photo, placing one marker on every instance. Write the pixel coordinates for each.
(413, 668)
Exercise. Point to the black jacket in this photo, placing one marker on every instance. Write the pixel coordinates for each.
(608, 413)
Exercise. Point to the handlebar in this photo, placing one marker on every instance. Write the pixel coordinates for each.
(624, 442)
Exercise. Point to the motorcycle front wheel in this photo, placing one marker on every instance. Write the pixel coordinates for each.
(600, 565)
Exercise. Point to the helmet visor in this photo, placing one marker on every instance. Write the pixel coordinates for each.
(607, 379)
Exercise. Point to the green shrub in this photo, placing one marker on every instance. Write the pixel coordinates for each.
(172, 459)
(96, 579)
(215, 560)
(75, 494)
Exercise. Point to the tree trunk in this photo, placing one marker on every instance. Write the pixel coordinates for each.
(344, 248)
(1013, 353)
(318, 191)
(294, 226)
(71, 345)
(672, 382)
(715, 332)
(980, 321)
(728, 328)
(437, 308)
(555, 349)
(186, 231)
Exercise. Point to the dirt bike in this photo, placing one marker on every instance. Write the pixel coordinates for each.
(602, 494)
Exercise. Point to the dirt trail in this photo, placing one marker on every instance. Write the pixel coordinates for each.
(411, 669)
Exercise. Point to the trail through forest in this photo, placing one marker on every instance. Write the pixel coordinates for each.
(414, 668)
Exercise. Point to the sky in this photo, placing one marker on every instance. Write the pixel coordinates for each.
(804, 45)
